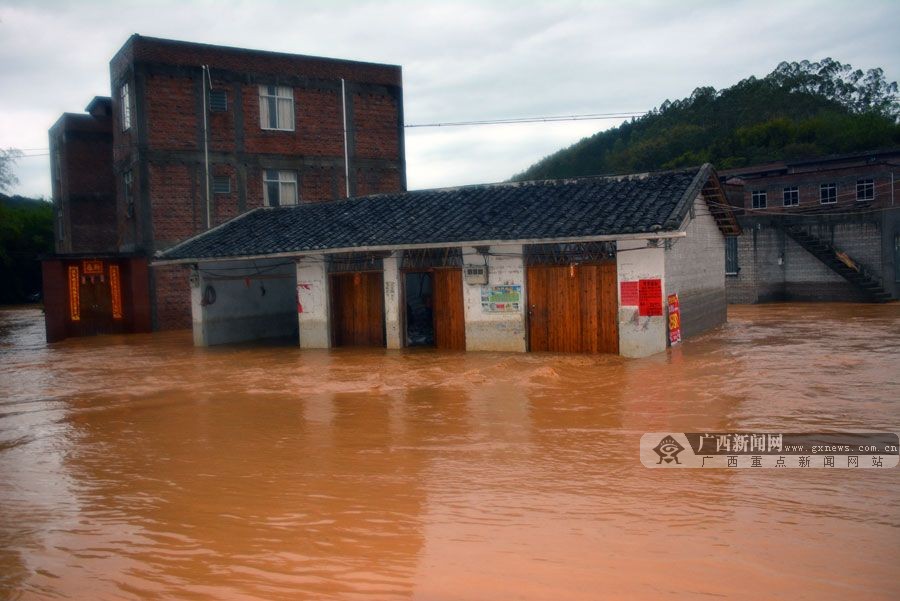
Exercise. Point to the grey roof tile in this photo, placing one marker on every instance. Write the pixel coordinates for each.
(513, 211)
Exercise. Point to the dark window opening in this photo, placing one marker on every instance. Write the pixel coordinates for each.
(419, 309)
(218, 101)
(221, 184)
(731, 256)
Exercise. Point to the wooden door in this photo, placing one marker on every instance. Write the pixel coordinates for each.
(573, 309)
(357, 308)
(449, 314)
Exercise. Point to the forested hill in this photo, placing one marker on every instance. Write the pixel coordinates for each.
(799, 110)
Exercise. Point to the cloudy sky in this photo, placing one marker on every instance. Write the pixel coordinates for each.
(461, 61)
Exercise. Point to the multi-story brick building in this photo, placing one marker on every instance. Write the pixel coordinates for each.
(819, 229)
(197, 134)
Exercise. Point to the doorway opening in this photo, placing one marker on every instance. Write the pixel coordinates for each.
(419, 287)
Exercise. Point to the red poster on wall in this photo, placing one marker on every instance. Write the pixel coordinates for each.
(674, 319)
(651, 298)
(629, 294)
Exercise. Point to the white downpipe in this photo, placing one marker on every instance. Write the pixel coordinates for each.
(346, 149)
(205, 73)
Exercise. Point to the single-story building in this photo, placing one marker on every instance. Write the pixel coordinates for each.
(576, 265)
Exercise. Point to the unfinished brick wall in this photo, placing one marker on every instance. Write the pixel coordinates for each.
(172, 292)
(164, 148)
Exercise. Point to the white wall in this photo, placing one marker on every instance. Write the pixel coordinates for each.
(313, 312)
(241, 310)
(640, 336)
(487, 331)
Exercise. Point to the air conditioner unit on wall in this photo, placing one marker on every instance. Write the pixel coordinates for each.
(475, 274)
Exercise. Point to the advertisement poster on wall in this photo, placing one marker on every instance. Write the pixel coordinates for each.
(674, 320)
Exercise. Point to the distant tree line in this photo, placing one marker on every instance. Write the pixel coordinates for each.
(799, 110)
(26, 233)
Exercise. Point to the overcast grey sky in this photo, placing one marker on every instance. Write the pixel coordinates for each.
(461, 61)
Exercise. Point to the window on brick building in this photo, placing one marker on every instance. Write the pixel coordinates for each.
(125, 102)
(865, 189)
(791, 196)
(276, 107)
(280, 187)
(731, 256)
(128, 192)
(221, 184)
(828, 194)
(218, 101)
(758, 199)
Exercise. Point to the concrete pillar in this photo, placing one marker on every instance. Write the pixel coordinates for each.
(313, 312)
(489, 329)
(392, 316)
(197, 309)
(640, 336)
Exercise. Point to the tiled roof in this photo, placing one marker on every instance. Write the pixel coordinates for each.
(542, 210)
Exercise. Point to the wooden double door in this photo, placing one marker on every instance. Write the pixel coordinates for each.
(573, 309)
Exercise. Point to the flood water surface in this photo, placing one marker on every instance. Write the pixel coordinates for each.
(140, 467)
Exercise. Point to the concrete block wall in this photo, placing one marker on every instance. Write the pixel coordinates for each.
(253, 300)
(695, 270)
(773, 267)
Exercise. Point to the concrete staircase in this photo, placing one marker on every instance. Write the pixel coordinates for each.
(840, 263)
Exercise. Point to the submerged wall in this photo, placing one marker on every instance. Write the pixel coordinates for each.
(312, 310)
(640, 335)
(773, 267)
(695, 271)
(236, 301)
(488, 330)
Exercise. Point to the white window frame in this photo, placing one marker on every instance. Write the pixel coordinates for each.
(279, 99)
(285, 182)
(790, 196)
(865, 189)
(831, 197)
(125, 101)
(759, 199)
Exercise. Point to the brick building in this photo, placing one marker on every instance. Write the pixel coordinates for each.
(195, 134)
(818, 229)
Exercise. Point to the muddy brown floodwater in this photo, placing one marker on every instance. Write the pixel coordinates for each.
(141, 467)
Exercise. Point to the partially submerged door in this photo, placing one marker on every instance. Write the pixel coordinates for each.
(572, 308)
(357, 308)
(449, 315)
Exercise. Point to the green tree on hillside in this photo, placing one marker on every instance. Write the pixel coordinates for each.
(799, 110)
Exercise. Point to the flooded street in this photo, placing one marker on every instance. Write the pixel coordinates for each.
(140, 467)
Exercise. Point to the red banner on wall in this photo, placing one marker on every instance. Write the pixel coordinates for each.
(74, 291)
(674, 319)
(650, 298)
(115, 291)
(629, 293)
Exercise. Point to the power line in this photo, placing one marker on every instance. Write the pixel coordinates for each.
(545, 119)
(505, 121)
